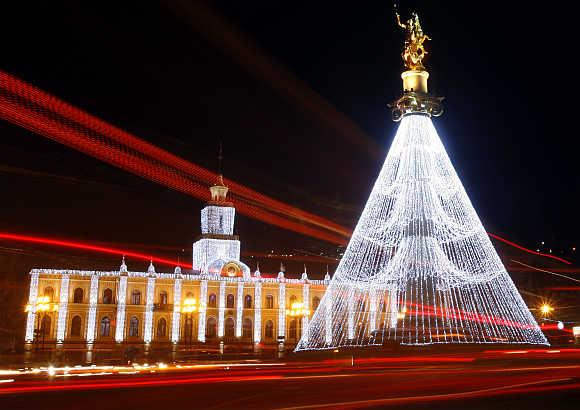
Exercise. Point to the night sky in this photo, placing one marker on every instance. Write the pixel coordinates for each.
(162, 71)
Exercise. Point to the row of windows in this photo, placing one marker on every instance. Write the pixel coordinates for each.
(211, 327)
(78, 297)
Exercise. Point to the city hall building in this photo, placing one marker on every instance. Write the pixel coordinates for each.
(220, 300)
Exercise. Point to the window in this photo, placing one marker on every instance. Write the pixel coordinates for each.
(230, 301)
(292, 333)
(105, 327)
(189, 295)
(107, 296)
(45, 326)
(315, 302)
(269, 330)
(212, 301)
(248, 302)
(161, 328)
(136, 297)
(269, 302)
(49, 291)
(134, 327)
(163, 298)
(247, 328)
(211, 328)
(230, 327)
(78, 295)
(75, 326)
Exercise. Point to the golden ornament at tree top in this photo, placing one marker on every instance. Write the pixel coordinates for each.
(414, 49)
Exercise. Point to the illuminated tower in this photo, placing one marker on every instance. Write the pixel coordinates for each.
(419, 267)
(217, 242)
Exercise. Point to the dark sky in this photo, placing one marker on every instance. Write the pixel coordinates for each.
(509, 127)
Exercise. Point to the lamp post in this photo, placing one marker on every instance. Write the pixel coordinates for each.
(189, 307)
(42, 305)
(298, 310)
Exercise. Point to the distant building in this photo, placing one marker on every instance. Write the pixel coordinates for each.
(220, 300)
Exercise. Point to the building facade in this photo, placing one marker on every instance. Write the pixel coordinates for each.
(219, 301)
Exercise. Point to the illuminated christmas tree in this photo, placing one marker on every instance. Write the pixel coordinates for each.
(420, 267)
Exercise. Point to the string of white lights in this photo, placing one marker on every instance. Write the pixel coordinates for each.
(420, 268)
(62, 309)
(257, 312)
(93, 299)
(31, 316)
(176, 311)
(239, 306)
(202, 311)
(150, 297)
(121, 305)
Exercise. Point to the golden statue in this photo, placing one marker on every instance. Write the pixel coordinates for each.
(414, 49)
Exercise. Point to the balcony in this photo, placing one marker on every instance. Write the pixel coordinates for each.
(163, 307)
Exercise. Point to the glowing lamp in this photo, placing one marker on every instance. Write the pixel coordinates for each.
(560, 325)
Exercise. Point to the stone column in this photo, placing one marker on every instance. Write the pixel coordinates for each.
(202, 311)
(239, 308)
(282, 310)
(93, 300)
(306, 317)
(258, 313)
(221, 308)
(62, 308)
(150, 298)
(32, 296)
(175, 320)
(121, 304)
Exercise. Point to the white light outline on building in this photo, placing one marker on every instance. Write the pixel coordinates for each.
(239, 307)
(92, 317)
(62, 309)
(306, 316)
(202, 311)
(121, 305)
(150, 297)
(221, 308)
(175, 322)
(258, 312)
(282, 309)
(31, 316)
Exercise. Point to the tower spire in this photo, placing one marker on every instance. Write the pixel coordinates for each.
(219, 190)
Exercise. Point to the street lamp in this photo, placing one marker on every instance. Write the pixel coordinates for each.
(189, 307)
(298, 310)
(546, 309)
(42, 305)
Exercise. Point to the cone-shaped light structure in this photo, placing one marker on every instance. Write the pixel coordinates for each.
(419, 268)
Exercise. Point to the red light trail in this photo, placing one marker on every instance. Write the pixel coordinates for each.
(42, 113)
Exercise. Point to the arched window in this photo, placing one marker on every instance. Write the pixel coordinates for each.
(107, 296)
(134, 327)
(212, 301)
(161, 328)
(78, 295)
(269, 330)
(248, 302)
(230, 327)
(292, 300)
(292, 332)
(136, 297)
(105, 327)
(269, 302)
(45, 326)
(230, 301)
(75, 326)
(211, 328)
(315, 302)
(163, 298)
(189, 295)
(49, 291)
(247, 328)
